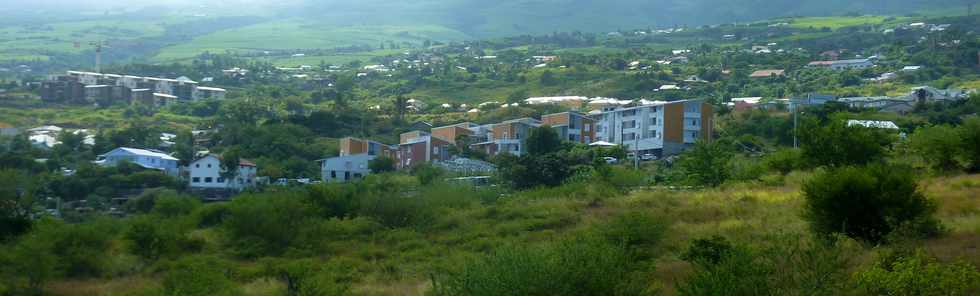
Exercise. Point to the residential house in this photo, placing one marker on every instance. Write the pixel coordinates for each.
(768, 73)
(873, 124)
(660, 129)
(843, 64)
(207, 173)
(508, 137)
(572, 126)
(810, 100)
(345, 168)
(7, 130)
(452, 132)
(870, 102)
(742, 104)
(355, 146)
(150, 159)
(928, 94)
(420, 147)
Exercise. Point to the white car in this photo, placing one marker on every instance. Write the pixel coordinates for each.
(648, 157)
(610, 160)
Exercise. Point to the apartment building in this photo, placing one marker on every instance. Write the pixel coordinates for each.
(660, 128)
(89, 87)
(452, 132)
(507, 137)
(572, 126)
(420, 147)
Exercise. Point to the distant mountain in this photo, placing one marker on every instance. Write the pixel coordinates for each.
(489, 18)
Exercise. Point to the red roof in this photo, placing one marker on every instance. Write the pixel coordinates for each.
(5, 125)
(245, 162)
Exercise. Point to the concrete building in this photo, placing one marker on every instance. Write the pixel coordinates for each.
(452, 132)
(843, 64)
(507, 137)
(206, 173)
(572, 126)
(149, 159)
(418, 148)
(345, 168)
(659, 129)
(355, 146)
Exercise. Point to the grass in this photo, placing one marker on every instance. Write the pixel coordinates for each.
(837, 22)
(399, 261)
(40, 42)
(292, 34)
(333, 59)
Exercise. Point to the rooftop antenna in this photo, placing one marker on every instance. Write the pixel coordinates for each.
(98, 45)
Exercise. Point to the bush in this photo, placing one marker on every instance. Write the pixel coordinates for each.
(706, 164)
(171, 206)
(918, 274)
(969, 132)
(198, 275)
(784, 161)
(265, 224)
(721, 269)
(380, 165)
(637, 231)
(565, 268)
(940, 146)
(867, 203)
(836, 144)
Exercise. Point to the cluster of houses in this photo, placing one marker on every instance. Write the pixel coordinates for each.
(98, 88)
(648, 128)
(205, 173)
(899, 104)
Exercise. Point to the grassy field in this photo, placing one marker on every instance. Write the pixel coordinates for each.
(837, 22)
(333, 59)
(303, 34)
(399, 261)
(39, 42)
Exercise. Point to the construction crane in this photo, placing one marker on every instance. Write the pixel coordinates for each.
(98, 45)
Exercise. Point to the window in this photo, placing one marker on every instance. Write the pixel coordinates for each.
(587, 127)
(572, 138)
(629, 137)
(240, 181)
(654, 120)
(208, 180)
(197, 165)
(346, 176)
(629, 124)
(588, 139)
(196, 180)
(333, 174)
(517, 147)
(629, 113)
(221, 180)
(358, 175)
(694, 122)
(209, 165)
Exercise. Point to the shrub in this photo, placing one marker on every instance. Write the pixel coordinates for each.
(918, 274)
(706, 164)
(382, 165)
(784, 161)
(866, 203)
(170, 206)
(721, 269)
(637, 231)
(198, 275)
(265, 224)
(565, 268)
(836, 144)
(969, 132)
(939, 145)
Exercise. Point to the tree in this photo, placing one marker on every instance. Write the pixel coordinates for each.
(198, 276)
(382, 164)
(543, 140)
(939, 145)
(548, 78)
(868, 203)
(836, 144)
(17, 190)
(230, 162)
(184, 147)
(969, 133)
(401, 105)
(707, 163)
(32, 257)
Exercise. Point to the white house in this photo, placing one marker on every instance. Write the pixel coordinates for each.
(345, 168)
(149, 159)
(206, 173)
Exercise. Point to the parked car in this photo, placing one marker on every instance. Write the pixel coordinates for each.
(610, 160)
(648, 157)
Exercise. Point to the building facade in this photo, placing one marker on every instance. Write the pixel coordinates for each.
(572, 126)
(206, 173)
(345, 168)
(660, 129)
(150, 159)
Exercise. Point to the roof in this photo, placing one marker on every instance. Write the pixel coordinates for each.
(241, 161)
(144, 152)
(602, 144)
(204, 88)
(749, 100)
(164, 96)
(840, 62)
(873, 124)
(5, 125)
(767, 73)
